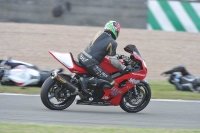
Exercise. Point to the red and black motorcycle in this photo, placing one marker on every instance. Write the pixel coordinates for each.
(131, 91)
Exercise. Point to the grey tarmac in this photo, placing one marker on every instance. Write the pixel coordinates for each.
(158, 114)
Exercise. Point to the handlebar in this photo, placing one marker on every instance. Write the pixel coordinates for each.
(3, 63)
(125, 59)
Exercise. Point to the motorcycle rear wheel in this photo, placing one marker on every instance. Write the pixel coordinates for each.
(45, 95)
(145, 91)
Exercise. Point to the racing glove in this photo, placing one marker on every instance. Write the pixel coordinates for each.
(127, 69)
(121, 56)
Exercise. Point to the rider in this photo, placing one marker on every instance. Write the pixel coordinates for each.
(102, 45)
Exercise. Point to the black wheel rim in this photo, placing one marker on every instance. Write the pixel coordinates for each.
(53, 97)
(143, 99)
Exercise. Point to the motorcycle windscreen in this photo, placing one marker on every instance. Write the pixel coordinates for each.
(24, 76)
(63, 58)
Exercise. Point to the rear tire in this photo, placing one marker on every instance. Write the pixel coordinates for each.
(144, 101)
(46, 87)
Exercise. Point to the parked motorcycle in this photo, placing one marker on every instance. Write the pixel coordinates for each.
(131, 91)
(182, 79)
(13, 72)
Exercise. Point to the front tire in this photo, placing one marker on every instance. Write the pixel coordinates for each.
(46, 94)
(127, 103)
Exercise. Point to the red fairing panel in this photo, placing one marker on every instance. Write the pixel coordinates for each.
(66, 60)
(109, 68)
(120, 91)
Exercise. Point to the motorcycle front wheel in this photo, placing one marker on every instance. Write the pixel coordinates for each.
(54, 96)
(132, 103)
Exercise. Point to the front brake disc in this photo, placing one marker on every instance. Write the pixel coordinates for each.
(136, 100)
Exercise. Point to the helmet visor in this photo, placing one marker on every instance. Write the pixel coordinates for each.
(117, 28)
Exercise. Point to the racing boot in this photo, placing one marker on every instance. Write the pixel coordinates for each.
(84, 82)
(93, 81)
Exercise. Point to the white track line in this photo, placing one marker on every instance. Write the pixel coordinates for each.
(14, 94)
(173, 100)
(157, 100)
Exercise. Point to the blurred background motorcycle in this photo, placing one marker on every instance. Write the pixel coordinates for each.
(18, 73)
(182, 79)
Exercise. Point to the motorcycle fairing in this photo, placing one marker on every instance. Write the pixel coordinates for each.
(20, 62)
(117, 93)
(23, 76)
(120, 91)
(66, 60)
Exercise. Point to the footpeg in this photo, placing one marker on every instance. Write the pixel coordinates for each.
(86, 91)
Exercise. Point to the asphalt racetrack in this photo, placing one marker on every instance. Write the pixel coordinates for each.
(158, 114)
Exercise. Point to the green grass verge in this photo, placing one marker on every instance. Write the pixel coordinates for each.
(160, 90)
(165, 90)
(19, 90)
(33, 128)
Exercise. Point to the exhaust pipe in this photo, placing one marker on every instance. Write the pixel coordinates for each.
(56, 76)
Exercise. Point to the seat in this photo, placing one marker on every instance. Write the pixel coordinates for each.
(76, 62)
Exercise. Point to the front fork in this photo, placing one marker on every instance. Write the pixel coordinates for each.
(135, 90)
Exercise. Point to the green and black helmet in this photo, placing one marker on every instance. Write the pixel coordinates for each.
(114, 27)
